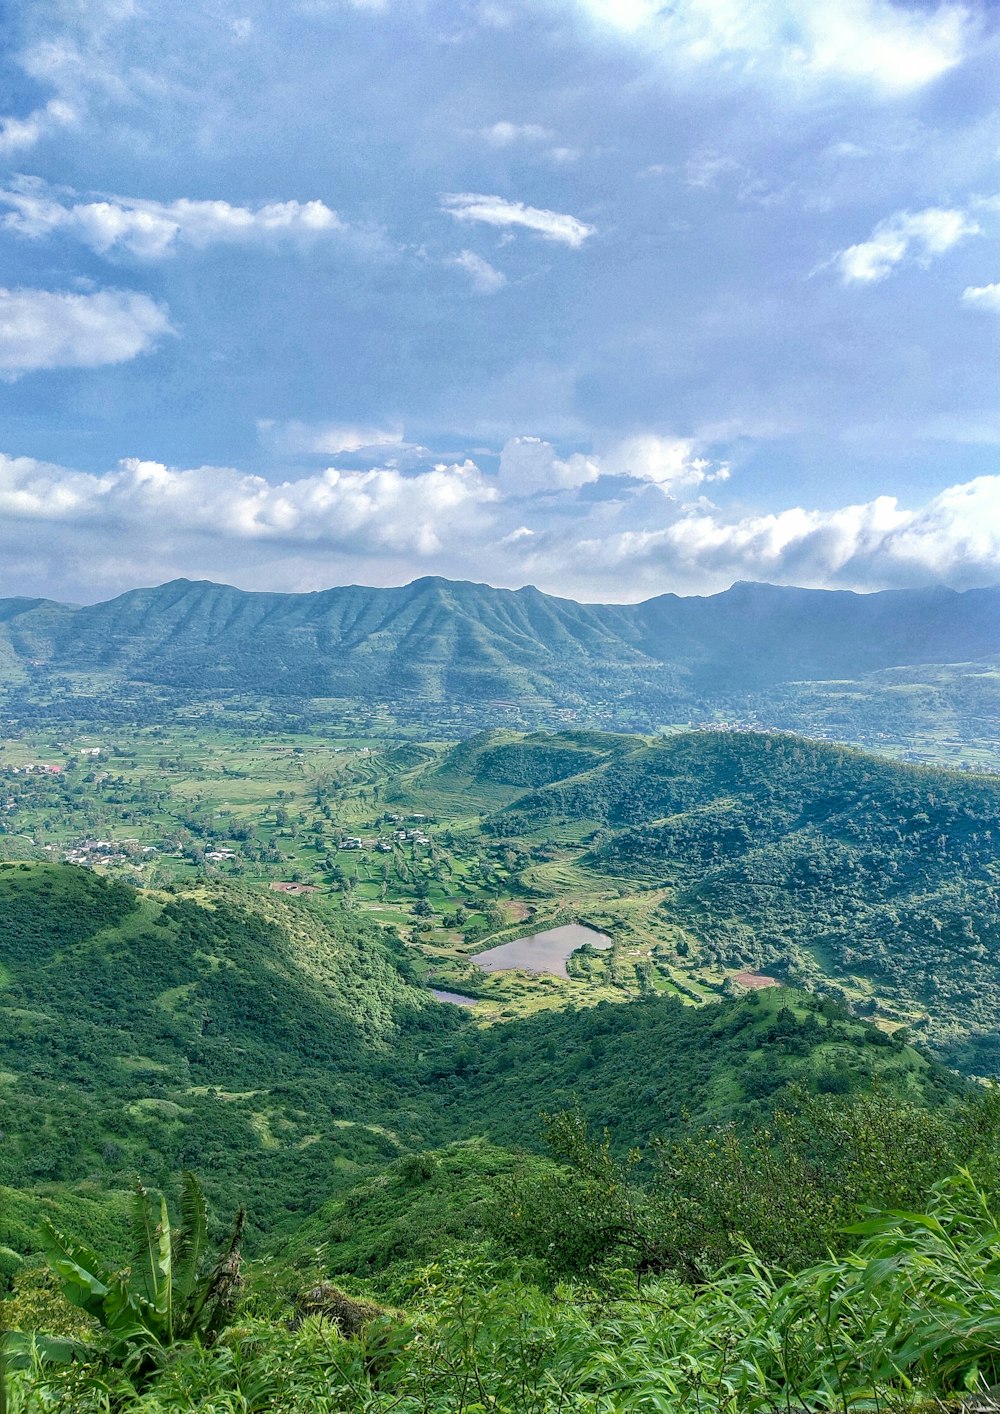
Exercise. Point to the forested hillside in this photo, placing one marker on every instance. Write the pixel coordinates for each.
(281, 1051)
(388, 1142)
(807, 859)
(550, 1189)
(271, 1048)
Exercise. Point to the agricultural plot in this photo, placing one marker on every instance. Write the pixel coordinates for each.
(389, 828)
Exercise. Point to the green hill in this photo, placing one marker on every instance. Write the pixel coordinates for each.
(648, 1068)
(269, 1046)
(809, 860)
(280, 1049)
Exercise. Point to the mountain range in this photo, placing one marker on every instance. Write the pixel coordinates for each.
(439, 641)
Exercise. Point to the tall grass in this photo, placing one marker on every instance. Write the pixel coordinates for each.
(908, 1319)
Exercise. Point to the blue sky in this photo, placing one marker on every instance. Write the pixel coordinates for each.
(607, 296)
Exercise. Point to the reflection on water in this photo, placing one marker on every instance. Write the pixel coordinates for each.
(543, 952)
(456, 998)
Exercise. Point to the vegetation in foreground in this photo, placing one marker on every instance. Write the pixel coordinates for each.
(789, 1208)
(901, 1316)
(816, 1232)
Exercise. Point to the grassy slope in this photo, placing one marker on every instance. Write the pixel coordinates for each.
(701, 854)
(649, 1068)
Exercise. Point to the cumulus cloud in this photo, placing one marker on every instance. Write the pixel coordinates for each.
(670, 462)
(496, 211)
(529, 466)
(376, 511)
(920, 235)
(983, 297)
(151, 230)
(889, 46)
(954, 539)
(46, 329)
(486, 279)
(67, 528)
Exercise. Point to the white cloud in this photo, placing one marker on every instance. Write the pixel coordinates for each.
(889, 46)
(486, 279)
(954, 539)
(983, 297)
(371, 511)
(144, 521)
(920, 235)
(670, 462)
(78, 51)
(505, 134)
(529, 466)
(46, 329)
(153, 229)
(328, 438)
(496, 211)
(17, 134)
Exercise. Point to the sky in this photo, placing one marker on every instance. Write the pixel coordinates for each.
(611, 297)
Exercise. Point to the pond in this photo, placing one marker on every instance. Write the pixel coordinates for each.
(456, 998)
(542, 952)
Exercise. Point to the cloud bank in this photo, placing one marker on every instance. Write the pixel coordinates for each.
(87, 533)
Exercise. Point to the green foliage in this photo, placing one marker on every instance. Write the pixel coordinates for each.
(281, 1048)
(263, 1042)
(906, 1320)
(644, 1070)
(787, 1191)
(164, 1295)
(418, 1209)
(809, 858)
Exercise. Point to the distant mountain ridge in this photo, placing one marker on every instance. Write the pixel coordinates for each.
(438, 640)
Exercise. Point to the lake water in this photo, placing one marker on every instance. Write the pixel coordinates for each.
(542, 952)
(456, 998)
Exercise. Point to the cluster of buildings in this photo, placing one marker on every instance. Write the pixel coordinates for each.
(91, 852)
(384, 846)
